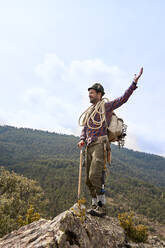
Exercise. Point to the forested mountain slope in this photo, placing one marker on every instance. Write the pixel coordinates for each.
(136, 180)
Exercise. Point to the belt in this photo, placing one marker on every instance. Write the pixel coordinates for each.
(107, 150)
(100, 139)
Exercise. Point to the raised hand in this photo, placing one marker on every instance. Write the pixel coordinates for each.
(136, 77)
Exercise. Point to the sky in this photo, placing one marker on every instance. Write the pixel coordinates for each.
(52, 51)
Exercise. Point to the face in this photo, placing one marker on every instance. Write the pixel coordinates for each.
(94, 96)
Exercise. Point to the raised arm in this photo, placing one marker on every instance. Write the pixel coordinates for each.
(136, 77)
(110, 106)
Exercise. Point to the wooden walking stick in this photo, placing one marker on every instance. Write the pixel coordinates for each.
(80, 172)
(79, 207)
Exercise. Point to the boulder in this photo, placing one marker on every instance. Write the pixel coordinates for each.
(68, 231)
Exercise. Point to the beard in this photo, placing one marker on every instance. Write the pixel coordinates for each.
(93, 100)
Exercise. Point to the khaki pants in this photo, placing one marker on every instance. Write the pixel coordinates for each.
(95, 168)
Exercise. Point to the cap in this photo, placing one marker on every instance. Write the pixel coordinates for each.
(98, 87)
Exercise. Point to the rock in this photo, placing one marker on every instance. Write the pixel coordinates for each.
(67, 231)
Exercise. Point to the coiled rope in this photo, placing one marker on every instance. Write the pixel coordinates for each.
(90, 113)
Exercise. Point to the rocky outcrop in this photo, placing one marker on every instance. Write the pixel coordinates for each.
(67, 231)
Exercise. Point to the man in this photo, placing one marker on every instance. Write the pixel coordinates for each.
(94, 136)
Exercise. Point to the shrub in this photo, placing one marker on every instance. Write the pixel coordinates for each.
(137, 233)
(17, 193)
(30, 216)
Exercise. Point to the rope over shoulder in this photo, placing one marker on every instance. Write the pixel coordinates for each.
(90, 113)
(116, 129)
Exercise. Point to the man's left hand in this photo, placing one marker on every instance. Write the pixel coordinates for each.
(136, 78)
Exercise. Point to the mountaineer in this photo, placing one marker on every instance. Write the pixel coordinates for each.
(94, 136)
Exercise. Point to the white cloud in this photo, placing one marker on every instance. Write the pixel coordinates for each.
(66, 86)
(52, 69)
(131, 141)
(3, 121)
(60, 96)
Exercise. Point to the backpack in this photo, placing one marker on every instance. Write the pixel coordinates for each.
(116, 130)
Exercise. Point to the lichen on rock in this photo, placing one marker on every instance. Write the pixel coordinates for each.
(68, 231)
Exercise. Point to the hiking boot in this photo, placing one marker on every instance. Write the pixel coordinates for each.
(100, 211)
(93, 208)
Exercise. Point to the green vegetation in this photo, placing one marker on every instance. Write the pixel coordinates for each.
(136, 181)
(137, 233)
(29, 217)
(17, 193)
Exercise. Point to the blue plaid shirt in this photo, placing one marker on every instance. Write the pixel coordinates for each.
(90, 135)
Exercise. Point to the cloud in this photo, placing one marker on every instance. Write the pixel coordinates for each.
(60, 95)
(66, 87)
(131, 141)
(75, 79)
(51, 70)
(78, 76)
(3, 121)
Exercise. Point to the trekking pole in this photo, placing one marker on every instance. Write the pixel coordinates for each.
(80, 172)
